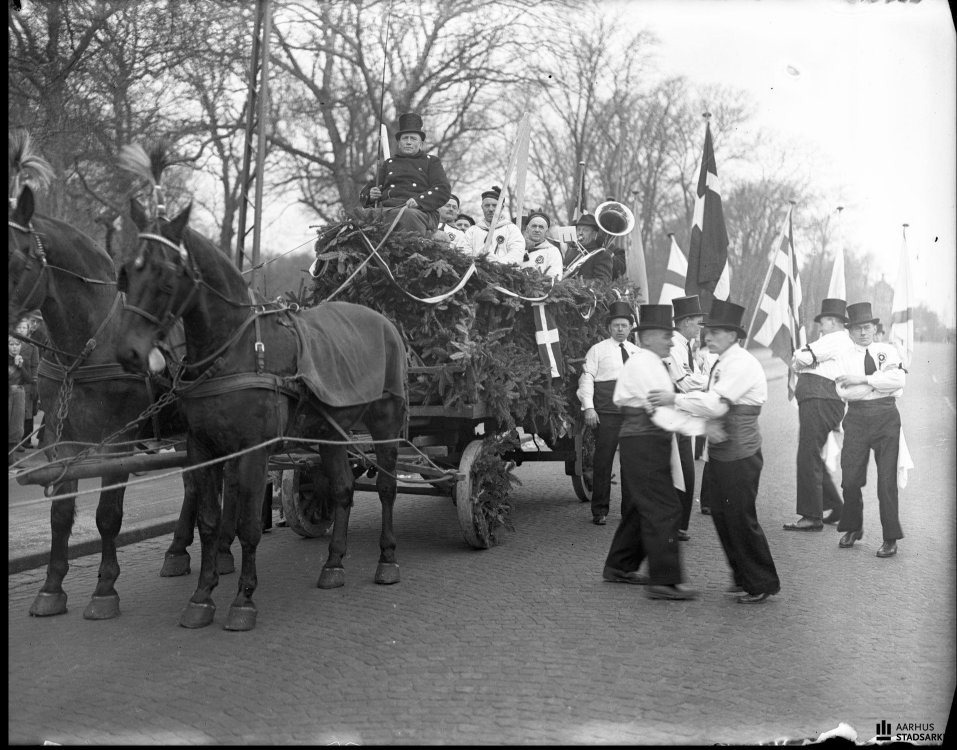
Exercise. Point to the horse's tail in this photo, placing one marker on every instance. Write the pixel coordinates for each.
(148, 166)
(25, 167)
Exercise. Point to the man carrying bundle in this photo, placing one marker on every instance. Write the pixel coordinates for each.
(411, 179)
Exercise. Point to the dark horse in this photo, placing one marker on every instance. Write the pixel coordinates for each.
(246, 385)
(87, 396)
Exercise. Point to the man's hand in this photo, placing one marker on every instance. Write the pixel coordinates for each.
(375, 193)
(661, 398)
(591, 418)
(848, 380)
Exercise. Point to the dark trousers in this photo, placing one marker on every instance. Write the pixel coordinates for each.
(735, 488)
(606, 443)
(871, 425)
(413, 220)
(686, 453)
(706, 486)
(815, 488)
(650, 511)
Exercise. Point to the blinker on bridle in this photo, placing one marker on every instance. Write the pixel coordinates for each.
(35, 252)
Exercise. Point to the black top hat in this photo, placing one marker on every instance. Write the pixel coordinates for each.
(686, 307)
(586, 220)
(832, 308)
(493, 193)
(410, 122)
(620, 309)
(654, 317)
(859, 313)
(542, 214)
(726, 315)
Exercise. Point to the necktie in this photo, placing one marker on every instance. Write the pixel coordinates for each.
(624, 354)
(869, 367)
(711, 375)
(690, 358)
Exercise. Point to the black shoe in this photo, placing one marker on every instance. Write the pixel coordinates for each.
(705, 510)
(677, 592)
(752, 598)
(735, 590)
(683, 536)
(621, 576)
(832, 517)
(850, 537)
(599, 520)
(805, 524)
(888, 548)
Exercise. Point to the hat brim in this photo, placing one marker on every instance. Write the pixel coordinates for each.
(849, 323)
(817, 318)
(726, 327)
(654, 327)
(688, 315)
(400, 133)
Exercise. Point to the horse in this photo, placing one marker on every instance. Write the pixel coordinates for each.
(87, 395)
(250, 381)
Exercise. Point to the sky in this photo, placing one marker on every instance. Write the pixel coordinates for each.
(866, 89)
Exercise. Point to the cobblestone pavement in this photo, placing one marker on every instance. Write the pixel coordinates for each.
(522, 643)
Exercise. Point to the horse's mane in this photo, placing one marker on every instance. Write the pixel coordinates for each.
(25, 166)
(149, 166)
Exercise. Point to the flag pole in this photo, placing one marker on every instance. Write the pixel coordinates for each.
(764, 286)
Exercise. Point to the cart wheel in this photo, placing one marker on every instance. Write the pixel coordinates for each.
(584, 456)
(473, 524)
(304, 506)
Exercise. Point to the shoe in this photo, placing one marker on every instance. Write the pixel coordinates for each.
(752, 598)
(676, 592)
(735, 590)
(683, 536)
(805, 524)
(888, 548)
(850, 537)
(599, 520)
(620, 576)
(832, 517)
(705, 511)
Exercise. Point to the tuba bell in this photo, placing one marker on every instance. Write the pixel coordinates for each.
(614, 218)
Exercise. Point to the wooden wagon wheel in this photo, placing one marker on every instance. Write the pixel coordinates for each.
(304, 504)
(583, 475)
(472, 522)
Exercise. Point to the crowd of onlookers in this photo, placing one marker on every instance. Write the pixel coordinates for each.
(23, 402)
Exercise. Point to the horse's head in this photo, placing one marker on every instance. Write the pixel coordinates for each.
(160, 282)
(26, 260)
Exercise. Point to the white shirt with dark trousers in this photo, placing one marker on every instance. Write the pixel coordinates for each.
(735, 393)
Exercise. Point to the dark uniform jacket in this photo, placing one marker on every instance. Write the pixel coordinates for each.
(402, 177)
(599, 267)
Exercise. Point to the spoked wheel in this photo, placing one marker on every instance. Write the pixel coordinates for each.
(584, 466)
(305, 503)
(471, 520)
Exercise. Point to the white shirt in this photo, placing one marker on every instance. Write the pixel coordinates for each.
(602, 363)
(737, 378)
(508, 243)
(887, 380)
(645, 371)
(456, 236)
(686, 378)
(546, 258)
(823, 357)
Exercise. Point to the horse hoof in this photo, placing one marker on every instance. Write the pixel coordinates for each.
(225, 563)
(387, 573)
(102, 608)
(332, 578)
(175, 565)
(241, 618)
(197, 615)
(47, 604)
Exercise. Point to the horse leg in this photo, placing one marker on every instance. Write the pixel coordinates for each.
(176, 560)
(335, 461)
(105, 603)
(225, 563)
(385, 423)
(51, 599)
(250, 480)
(200, 609)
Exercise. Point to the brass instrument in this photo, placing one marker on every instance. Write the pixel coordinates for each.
(614, 218)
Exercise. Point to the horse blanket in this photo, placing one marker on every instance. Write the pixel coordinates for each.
(349, 354)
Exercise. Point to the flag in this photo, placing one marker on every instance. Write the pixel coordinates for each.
(675, 274)
(777, 322)
(708, 248)
(635, 269)
(546, 336)
(837, 289)
(384, 141)
(902, 310)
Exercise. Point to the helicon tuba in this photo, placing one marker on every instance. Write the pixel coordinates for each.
(614, 218)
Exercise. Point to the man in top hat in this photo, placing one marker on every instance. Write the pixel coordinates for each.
(600, 264)
(688, 373)
(650, 509)
(541, 254)
(820, 410)
(507, 244)
(447, 232)
(732, 401)
(873, 380)
(596, 387)
(411, 179)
